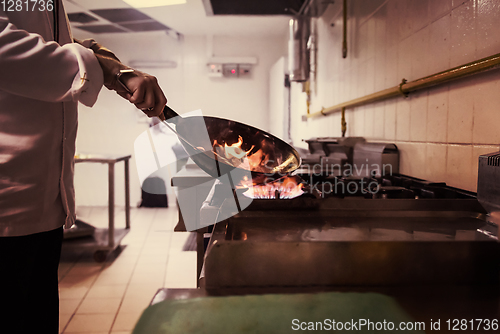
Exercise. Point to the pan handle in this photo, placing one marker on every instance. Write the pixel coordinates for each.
(168, 115)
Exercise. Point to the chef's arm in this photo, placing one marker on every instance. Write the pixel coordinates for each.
(34, 68)
(109, 62)
(141, 89)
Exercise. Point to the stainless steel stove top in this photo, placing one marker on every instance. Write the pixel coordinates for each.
(438, 235)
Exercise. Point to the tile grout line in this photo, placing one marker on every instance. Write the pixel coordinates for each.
(135, 265)
(168, 256)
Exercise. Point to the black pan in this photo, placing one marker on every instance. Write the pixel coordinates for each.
(267, 157)
(264, 155)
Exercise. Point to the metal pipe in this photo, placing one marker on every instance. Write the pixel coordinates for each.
(305, 6)
(127, 193)
(111, 204)
(298, 53)
(307, 90)
(404, 88)
(344, 40)
(343, 123)
(313, 56)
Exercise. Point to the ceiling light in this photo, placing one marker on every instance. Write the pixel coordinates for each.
(153, 3)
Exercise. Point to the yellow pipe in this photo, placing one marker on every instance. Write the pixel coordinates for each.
(406, 87)
(307, 89)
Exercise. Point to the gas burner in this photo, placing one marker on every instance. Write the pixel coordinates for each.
(287, 187)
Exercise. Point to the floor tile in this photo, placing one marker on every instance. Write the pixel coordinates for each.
(68, 306)
(116, 278)
(72, 293)
(77, 281)
(110, 297)
(151, 267)
(90, 323)
(63, 321)
(146, 278)
(181, 271)
(99, 332)
(149, 258)
(64, 268)
(126, 321)
(135, 304)
(85, 269)
(107, 291)
(120, 269)
(99, 305)
(141, 290)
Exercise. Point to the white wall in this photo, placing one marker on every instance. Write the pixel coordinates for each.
(440, 131)
(278, 100)
(112, 125)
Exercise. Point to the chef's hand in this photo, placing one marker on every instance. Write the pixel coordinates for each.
(139, 88)
(143, 91)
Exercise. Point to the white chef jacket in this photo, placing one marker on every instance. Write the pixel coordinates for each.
(41, 83)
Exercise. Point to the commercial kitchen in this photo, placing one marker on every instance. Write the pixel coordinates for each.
(351, 179)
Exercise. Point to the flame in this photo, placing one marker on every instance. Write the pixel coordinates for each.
(246, 182)
(236, 156)
(285, 188)
(235, 149)
(232, 152)
(257, 160)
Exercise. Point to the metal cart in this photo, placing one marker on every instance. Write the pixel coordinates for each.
(102, 241)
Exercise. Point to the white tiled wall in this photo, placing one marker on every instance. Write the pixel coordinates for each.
(440, 131)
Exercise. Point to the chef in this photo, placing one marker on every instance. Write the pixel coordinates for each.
(44, 73)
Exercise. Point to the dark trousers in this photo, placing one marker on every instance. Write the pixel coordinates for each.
(29, 296)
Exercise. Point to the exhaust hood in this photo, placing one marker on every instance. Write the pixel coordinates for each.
(311, 8)
(252, 7)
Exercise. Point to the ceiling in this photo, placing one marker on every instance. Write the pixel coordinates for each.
(253, 7)
(186, 19)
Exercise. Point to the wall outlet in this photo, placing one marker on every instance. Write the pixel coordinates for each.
(214, 70)
(230, 70)
(245, 70)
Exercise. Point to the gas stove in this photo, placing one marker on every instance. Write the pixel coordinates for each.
(351, 230)
(323, 191)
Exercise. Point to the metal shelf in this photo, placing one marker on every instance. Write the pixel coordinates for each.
(98, 242)
(103, 240)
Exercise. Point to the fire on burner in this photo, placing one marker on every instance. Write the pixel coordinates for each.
(250, 159)
(252, 150)
(287, 187)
